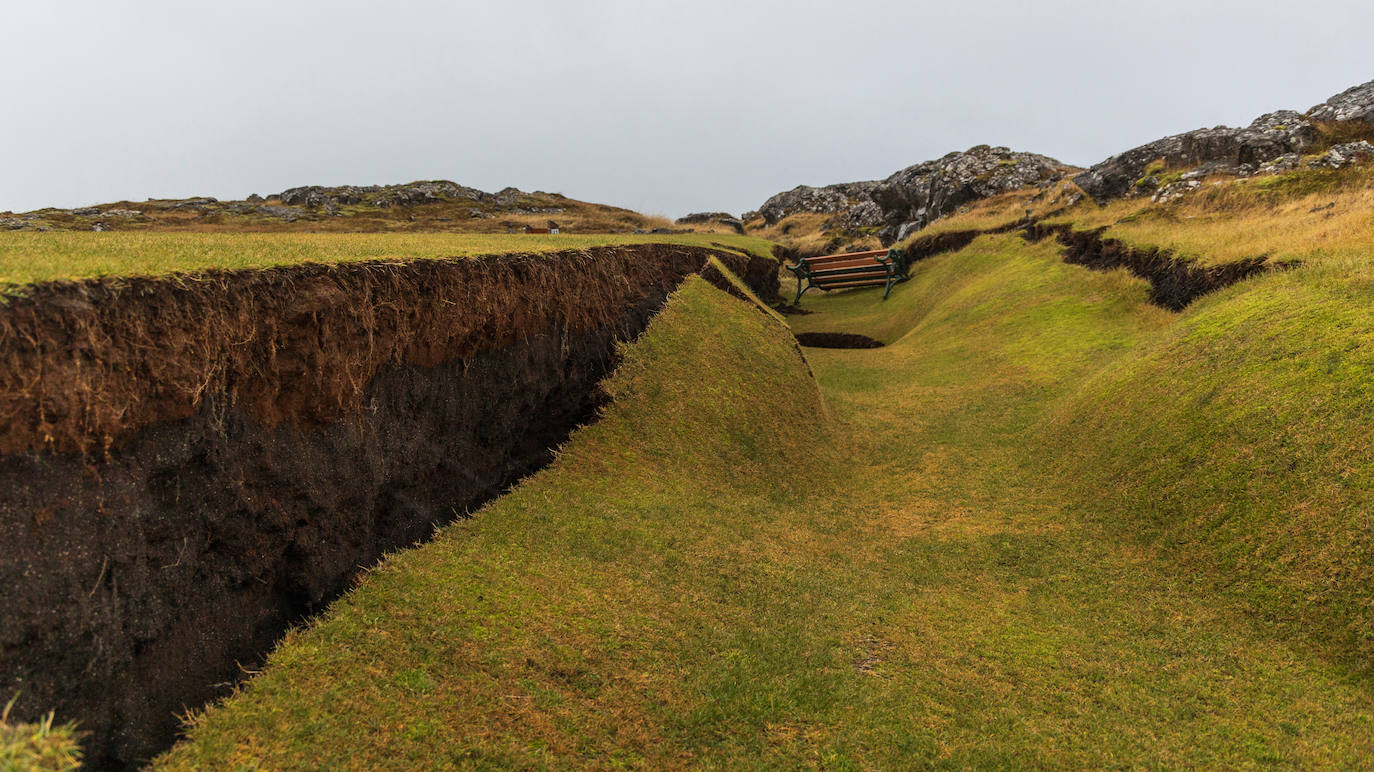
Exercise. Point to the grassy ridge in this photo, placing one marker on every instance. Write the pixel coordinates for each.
(598, 611)
(1240, 439)
(35, 257)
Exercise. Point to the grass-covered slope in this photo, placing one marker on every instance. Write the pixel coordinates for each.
(1048, 619)
(35, 257)
(976, 552)
(619, 605)
(1239, 439)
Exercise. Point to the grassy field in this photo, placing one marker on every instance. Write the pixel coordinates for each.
(1049, 525)
(35, 257)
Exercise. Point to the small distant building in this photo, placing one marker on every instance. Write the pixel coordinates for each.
(551, 228)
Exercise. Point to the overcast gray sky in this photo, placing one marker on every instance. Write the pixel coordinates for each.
(661, 107)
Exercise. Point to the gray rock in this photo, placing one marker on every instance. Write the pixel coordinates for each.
(1344, 155)
(101, 227)
(123, 213)
(12, 223)
(1219, 150)
(1284, 163)
(913, 197)
(724, 218)
(1175, 190)
(284, 213)
(254, 198)
(831, 199)
(696, 218)
(908, 228)
(88, 211)
(200, 204)
(1353, 104)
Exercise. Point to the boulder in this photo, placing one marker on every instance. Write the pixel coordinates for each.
(1341, 156)
(913, 197)
(1218, 150)
(723, 218)
(830, 199)
(1353, 104)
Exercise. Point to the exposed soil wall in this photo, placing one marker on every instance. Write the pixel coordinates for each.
(1174, 282)
(837, 340)
(189, 465)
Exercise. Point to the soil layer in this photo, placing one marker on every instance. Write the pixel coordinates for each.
(837, 340)
(193, 464)
(1174, 282)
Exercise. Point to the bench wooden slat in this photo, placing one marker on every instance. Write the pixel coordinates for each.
(880, 269)
(869, 263)
(845, 256)
(865, 283)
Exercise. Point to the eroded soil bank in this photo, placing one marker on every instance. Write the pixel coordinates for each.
(1174, 282)
(837, 340)
(192, 464)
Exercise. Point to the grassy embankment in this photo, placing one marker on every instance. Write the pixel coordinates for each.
(1049, 525)
(35, 257)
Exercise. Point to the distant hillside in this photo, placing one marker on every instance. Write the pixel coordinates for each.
(435, 205)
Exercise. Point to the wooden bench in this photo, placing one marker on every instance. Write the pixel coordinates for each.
(883, 267)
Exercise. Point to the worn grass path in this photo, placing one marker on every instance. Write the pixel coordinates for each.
(1011, 628)
(938, 591)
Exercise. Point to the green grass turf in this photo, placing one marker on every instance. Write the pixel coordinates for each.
(26, 258)
(1049, 525)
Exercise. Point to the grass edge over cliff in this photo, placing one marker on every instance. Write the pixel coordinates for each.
(561, 620)
(27, 258)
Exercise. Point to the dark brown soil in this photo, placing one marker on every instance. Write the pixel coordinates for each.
(193, 464)
(1174, 282)
(837, 340)
(939, 243)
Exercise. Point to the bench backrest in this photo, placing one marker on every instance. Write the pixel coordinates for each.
(824, 261)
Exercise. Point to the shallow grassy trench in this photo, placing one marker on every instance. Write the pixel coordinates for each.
(953, 551)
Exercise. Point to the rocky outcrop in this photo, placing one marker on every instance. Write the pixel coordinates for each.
(1343, 155)
(1139, 171)
(1272, 144)
(410, 194)
(723, 218)
(1353, 104)
(910, 199)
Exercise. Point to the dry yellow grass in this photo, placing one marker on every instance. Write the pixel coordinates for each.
(1312, 216)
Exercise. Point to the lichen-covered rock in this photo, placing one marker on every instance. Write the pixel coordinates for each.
(409, 194)
(911, 198)
(1344, 155)
(831, 199)
(1220, 150)
(723, 218)
(1353, 104)
(1272, 144)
